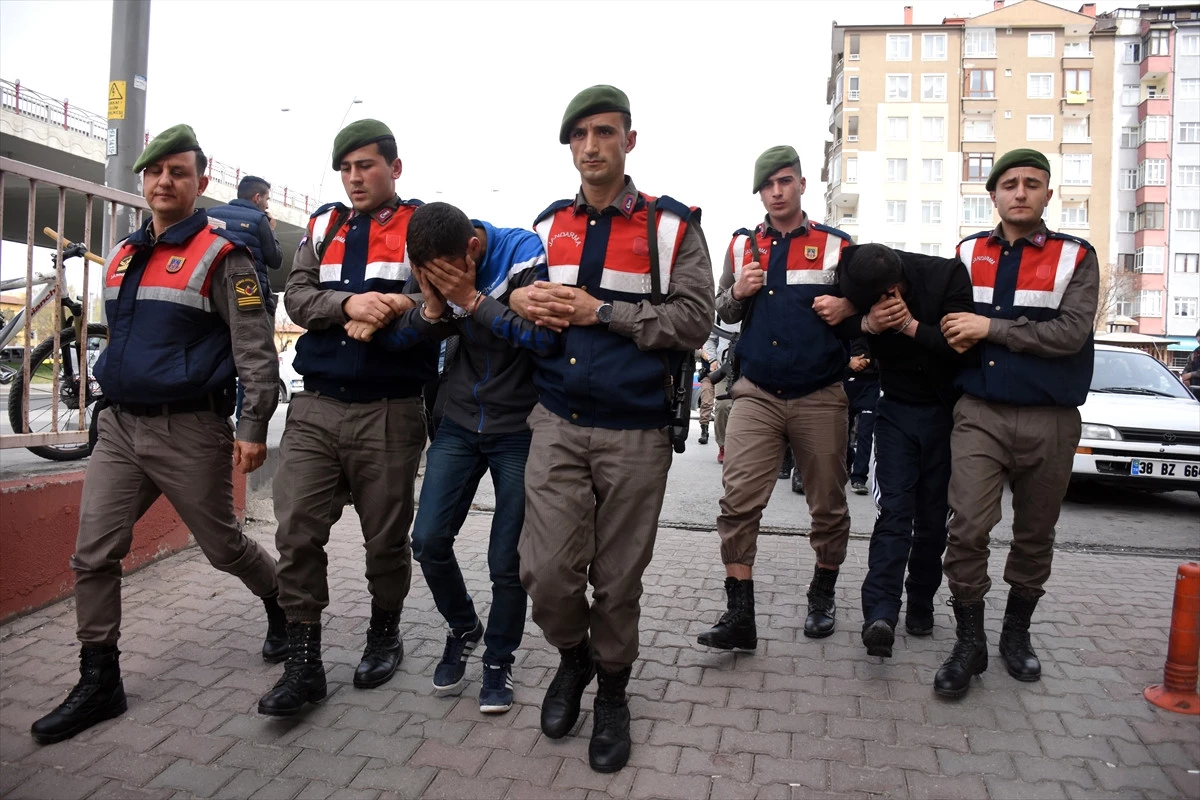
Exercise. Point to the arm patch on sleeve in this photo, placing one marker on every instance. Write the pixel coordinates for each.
(248, 293)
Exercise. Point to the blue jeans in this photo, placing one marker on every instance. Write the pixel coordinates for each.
(454, 466)
(912, 477)
(863, 394)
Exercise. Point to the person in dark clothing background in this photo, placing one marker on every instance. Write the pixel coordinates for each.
(862, 392)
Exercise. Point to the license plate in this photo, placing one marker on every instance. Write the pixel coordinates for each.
(1165, 469)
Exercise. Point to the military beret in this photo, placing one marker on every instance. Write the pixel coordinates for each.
(176, 139)
(771, 161)
(593, 100)
(356, 135)
(1022, 157)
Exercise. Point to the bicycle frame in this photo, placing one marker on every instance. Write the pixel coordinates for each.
(9, 331)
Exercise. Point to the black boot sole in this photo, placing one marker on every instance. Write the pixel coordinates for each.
(878, 641)
(372, 683)
(115, 711)
(739, 647)
(951, 693)
(314, 697)
(277, 658)
(915, 631)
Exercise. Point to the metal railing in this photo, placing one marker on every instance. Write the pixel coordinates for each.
(60, 113)
(54, 394)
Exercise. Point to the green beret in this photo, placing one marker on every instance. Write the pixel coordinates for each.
(356, 135)
(176, 139)
(1023, 157)
(772, 161)
(593, 100)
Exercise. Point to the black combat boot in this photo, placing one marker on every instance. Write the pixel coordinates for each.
(1015, 648)
(703, 434)
(969, 656)
(383, 652)
(560, 708)
(274, 647)
(735, 630)
(821, 608)
(608, 751)
(98, 696)
(303, 678)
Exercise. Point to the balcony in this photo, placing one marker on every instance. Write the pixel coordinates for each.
(979, 103)
(843, 195)
(1154, 67)
(852, 95)
(1157, 106)
(1076, 104)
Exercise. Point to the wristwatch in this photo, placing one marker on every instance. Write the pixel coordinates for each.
(604, 313)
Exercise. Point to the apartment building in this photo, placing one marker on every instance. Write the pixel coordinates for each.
(920, 113)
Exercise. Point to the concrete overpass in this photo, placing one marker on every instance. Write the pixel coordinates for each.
(51, 134)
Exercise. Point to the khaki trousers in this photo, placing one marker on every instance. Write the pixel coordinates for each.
(189, 458)
(721, 412)
(707, 396)
(760, 427)
(331, 453)
(1033, 447)
(592, 499)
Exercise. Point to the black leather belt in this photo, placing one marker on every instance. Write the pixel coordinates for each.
(217, 403)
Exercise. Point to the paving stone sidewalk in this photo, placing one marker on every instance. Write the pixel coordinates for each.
(799, 719)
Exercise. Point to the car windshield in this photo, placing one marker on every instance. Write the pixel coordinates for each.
(1133, 372)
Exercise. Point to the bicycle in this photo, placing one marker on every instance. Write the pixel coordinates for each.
(78, 391)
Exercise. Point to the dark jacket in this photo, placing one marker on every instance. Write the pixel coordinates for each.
(250, 227)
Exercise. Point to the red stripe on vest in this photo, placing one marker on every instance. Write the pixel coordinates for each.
(386, 242)
(1036, 273)
(567, 232)
(171, 266)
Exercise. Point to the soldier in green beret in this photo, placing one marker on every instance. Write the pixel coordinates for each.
(176, 289)
(1018, 422)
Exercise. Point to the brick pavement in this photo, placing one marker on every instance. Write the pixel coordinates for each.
(799, 719)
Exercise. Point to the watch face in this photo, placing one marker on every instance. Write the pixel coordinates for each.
(604, 313)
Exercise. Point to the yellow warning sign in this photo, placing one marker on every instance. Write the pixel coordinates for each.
(116, 99)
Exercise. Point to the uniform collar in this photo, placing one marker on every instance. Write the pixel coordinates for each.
(178, 233)
(624, 203)
(386, 211)
(799, 230)
(1037, 238)
(240, 203)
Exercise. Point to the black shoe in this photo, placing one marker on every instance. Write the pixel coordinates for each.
(969, 656)
(275, 646)
(784, 473)
(560, 708)
(383, 652)
(98, 696)
(797, 482)
(608, 751)
(858, 486)
(1015, 648)
(821, 608)
(735, 630)
(918, 622)
(703, 435)
(303, 678)
(879, 636)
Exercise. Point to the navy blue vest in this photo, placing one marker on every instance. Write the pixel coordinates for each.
(242, 220)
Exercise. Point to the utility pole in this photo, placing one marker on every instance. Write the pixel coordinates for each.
(126, 107)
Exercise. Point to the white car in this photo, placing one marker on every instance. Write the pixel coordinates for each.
(1141, 426)
(290, 381)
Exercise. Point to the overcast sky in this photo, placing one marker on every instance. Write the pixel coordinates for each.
(475, 90)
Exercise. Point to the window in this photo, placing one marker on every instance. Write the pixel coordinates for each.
(1149, 259)
(1184, 307)
(979, 130)
(933, 46)
(1074, 215)
(1152, 172)
(933, 87)
(977, 210)
(851, 170)
(1157, 43)
(931, 212)
(1189, 132)
(976, 167)
(1133, 52)
(933, 129)
(1077, 169)
(852, 87)
(1077, 49)
(895, 245)
(1189, 44)
(899, 46)
(852, 128)
(980, 43)
(931, 170)
(835, 171)
(1187, 175)
(1125, 222)
(1129, 137)
(1149, 304)
(899, 88)
(896, 211)
(1149, 217)
(897, 129)
(1189, 88)
(1154, 129)
(1078, 80)
(1039, 128)
(979, 84)
(1076, 129)
(897, 170)
(1041, 45)
(1187, 262)
(1129, 179)
(1125, 262)
(1130, 94)
(1041, 85)
(1123, 308)
(1187, 219)
(853, 47)
(1154, 90)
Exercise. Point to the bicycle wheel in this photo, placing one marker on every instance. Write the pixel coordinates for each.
(72, 401)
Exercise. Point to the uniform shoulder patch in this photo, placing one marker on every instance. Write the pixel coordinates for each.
(835, 231)
(555, 206)
(1068, 237)
(247, 293)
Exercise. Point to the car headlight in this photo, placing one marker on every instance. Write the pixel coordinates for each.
(1092, 431)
